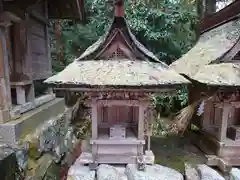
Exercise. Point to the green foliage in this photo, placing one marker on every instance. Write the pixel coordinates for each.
(166, 104)
(166, 27)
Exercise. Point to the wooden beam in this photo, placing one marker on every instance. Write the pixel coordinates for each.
(5, 93)
(160, 90)
(230, 12)
(228, 57)
(235, 104)
(117, 102)
(39, 17)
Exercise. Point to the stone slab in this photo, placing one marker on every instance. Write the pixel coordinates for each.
(152, 172)
(4, 116)
(12, 131)
(234, 174)
(84, 158)
(207, 173)
(8, 165)
(149, 157)
(79, 172)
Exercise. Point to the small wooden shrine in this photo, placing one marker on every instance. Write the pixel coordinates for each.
(24, 49)
(213, 66)
(118, 75)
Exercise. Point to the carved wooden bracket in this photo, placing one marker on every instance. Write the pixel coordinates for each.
(118, 95)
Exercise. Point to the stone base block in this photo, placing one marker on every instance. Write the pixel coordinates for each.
(149, 157)
(4, 116)
(85, 158)
(13, 130)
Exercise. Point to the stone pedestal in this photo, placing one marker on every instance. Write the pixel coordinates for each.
(149, 157)
(4, 116)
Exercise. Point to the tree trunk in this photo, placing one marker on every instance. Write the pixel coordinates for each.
(210, 7)
(200, 9)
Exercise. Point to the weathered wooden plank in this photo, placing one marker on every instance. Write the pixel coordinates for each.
(38, 44)
(41, 62)
(118, 102)
(5, 96)
(37, 28)
(22, 64)
(224, 122)
(38, 16)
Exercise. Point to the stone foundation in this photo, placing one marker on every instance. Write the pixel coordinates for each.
(12, 131)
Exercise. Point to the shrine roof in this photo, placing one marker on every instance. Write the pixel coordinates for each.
(119, 23)
(224, 74)
(212, 47)
(121, 72)
(136, 66)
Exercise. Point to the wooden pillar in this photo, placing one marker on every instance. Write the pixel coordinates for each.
(224, 121)
(28, 63)
(21, 65)
(30, 93)
(5, 95)
(149, 131)
(142, 108)
(46, 29)
(94, 127)
(205, 122)
(149, 143)
(21, 97)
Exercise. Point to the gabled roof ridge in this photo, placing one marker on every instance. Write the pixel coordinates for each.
(110, 41)
(96, 47)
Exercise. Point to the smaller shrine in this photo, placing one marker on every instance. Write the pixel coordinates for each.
(213, 67)
(118, 75)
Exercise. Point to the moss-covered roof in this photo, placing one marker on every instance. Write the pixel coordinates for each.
(211, 46)
(120, 72)
(142, 69)
(224, 74)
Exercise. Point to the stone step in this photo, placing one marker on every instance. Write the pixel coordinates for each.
(86, 158)
(117, 149)
(113, 172)
(12, 131)
(116, 159)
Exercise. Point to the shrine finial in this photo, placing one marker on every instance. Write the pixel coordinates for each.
(119, 8)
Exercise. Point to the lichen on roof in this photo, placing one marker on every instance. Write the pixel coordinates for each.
(122, 72)
(122, 24)
(211, 46)
(143, 68)
(224, 74)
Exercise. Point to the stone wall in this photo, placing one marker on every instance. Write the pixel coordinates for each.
(51, 146)
(49, 150)
(8, 164)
